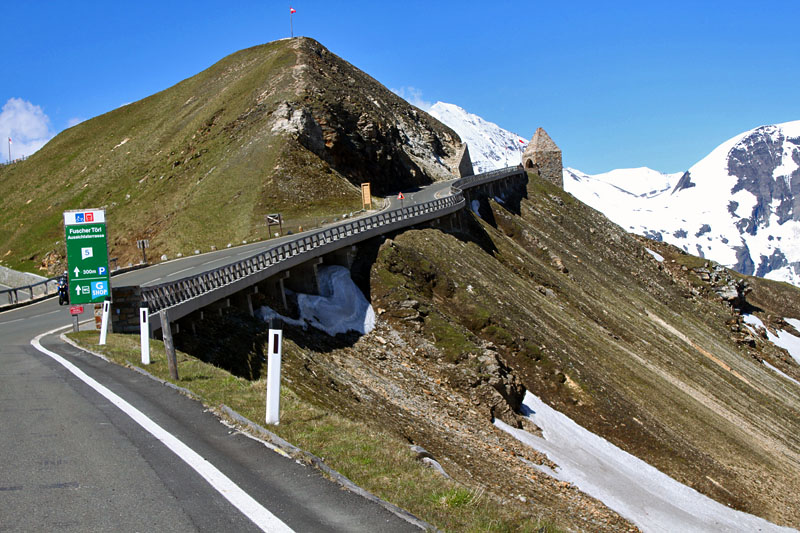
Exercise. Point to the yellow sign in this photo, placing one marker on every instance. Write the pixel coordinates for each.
(366, 196)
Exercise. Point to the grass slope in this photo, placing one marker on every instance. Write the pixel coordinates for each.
(285, 127)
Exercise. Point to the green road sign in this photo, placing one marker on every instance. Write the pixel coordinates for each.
(87, 256)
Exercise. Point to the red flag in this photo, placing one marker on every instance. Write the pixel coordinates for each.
(9, 140)
(522, 141)
(292, 10)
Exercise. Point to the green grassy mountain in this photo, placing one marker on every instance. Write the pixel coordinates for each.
(285, 127)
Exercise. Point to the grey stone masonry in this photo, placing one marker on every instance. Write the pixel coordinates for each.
(125, 309)
(543, 156)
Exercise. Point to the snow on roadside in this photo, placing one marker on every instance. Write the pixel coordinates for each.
(341, 306)
(631, 487)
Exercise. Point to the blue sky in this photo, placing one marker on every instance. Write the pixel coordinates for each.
(615, 84)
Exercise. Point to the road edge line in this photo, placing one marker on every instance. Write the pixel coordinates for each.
(242, 501)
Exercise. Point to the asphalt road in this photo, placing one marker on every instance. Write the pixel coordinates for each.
(192, 265)
(73, 461)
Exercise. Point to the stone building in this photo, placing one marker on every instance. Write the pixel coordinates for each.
(543, 156)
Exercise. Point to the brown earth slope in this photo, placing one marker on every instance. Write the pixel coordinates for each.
(560, 301)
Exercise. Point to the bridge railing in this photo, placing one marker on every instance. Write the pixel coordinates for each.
(170, 294)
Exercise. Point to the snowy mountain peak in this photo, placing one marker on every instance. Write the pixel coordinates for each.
(739, 205)
(490, 146)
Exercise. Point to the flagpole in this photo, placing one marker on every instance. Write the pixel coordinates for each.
(9, 149)
(291, 26)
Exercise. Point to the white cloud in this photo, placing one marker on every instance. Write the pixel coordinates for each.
(413, 96)
(26, 124)
(74, 121)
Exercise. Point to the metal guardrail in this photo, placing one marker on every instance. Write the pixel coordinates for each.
(13, 293)
(167, 295)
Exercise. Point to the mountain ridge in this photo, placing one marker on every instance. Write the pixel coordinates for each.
(286, 127)
(739, 205)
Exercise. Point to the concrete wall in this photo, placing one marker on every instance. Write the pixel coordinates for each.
(12, 278)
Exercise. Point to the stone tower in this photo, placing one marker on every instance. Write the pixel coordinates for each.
(544, 156)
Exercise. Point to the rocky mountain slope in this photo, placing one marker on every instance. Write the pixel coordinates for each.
(286, 127)
(648, 348)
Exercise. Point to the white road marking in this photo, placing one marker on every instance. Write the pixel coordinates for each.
(219, 481)
(179, 272)
(214, 261)
(21, 319)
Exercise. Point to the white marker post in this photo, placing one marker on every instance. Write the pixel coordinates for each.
(144, 334)
(104, 322)
(274, 375)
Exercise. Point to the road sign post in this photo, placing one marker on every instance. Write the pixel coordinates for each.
(75, 310)
(104, 325)
(274, 219)
(87, 256)
(275, 343)
(143, 245)
(144, 334)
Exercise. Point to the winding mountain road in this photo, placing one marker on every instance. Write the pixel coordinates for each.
(76, 459)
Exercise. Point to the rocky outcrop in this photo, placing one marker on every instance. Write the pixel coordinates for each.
(730, 289)
(364, 131)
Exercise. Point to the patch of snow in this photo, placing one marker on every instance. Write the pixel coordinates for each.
(341, 307)
(753, 320)
(790, 378)
(782, 339)
(787, 341)
(658, 256)
(475, 205)
(123, 141)
(639, 492)
(490, 146)
(793, 322)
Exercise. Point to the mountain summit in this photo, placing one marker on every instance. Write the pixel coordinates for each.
(737, 206)
(286, 127)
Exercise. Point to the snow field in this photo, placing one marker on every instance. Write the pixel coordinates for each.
(639, 492)
(341, 307)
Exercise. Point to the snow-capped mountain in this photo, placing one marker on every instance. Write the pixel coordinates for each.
(739, 206)
(490, 146)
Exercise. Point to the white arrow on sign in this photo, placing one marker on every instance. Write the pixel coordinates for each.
(78, 290)
(77, 270)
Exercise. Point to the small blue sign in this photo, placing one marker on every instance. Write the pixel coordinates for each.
(99, 289)
(101, 271)
(79, 218)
